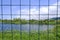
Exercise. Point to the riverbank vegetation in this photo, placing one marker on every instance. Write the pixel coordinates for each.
(53, 34)
(16, 35)
(32, 21)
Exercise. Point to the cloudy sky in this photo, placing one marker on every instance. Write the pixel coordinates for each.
(35, 11)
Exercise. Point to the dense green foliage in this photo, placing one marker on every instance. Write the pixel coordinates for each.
(23, 21)
(15, 21)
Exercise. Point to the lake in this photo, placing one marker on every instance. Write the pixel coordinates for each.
(25, 27)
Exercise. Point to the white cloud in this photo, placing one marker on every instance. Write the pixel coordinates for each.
(43, 10)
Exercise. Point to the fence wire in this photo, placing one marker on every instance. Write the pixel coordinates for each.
(8, 10)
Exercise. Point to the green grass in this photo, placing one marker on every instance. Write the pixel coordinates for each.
(25, 36)
(45, 35)
(16, 35)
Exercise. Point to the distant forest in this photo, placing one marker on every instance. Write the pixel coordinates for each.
(32, 21)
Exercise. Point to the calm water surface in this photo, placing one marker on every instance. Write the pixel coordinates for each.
(25, 27)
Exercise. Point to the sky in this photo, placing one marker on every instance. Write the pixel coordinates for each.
(23, 11)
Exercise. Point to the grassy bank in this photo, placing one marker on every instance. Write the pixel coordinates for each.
(16, 35)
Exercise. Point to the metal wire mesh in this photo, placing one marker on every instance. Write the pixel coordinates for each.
(8, 10)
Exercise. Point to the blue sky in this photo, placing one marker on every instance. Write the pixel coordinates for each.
(34, 10)
(26, 2)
